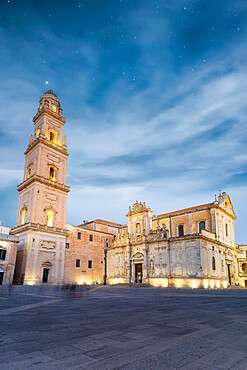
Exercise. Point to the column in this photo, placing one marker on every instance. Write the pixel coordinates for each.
(129, 267)
(145, 264)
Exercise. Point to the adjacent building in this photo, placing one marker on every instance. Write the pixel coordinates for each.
(242, 266)
(8, 250)
(85, 259)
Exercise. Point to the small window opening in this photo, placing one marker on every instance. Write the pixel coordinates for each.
(78, 262)
(2, 254)
(50, 218)
(90, 237)
(201, 226)
(226, 229)
(180, 230)
(54, 109)
(90, 264)
(213, 263)
(23, 214)
(37, 133)
(29, 172)
(79, 236)
(52, 174)
(52, 136)
(67, 245)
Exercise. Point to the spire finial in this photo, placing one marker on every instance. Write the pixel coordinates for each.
(31, 140)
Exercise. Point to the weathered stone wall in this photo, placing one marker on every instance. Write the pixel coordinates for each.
(85, 250)
(38, 250)
(7, 266)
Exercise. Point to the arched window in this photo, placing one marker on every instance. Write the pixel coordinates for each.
(52, 174)
(201, 226)
(49, 218)
(226, 230)
(53, 136)
(23, 214)
(180, 230)
(213, 264)
(37, 133)
(29, 172)
(54, 109)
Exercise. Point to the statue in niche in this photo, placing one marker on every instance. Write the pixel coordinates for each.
(138, 229)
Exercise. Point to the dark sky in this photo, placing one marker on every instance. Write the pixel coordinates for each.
(154, 93)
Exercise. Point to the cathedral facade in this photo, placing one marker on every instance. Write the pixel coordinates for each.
(193, 247)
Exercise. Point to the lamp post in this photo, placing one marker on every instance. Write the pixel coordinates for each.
(105, 259)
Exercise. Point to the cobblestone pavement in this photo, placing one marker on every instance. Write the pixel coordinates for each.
(124, 328)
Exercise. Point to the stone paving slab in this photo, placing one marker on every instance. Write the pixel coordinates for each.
(127, 329)
(24, 361)
(221, 358)
(74, 362)
(241, 365)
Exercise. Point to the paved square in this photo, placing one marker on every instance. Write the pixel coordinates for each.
(124, 328)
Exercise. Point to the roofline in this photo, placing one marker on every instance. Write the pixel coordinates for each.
(185, 210)
(107, 222)
(98, 220)
(89, 230)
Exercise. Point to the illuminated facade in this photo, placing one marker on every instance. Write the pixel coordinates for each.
(41, 216)
(85, 251)
(193, 247)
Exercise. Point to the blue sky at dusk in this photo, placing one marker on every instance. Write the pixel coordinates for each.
(154, 93)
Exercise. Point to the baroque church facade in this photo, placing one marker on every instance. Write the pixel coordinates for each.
(193, 247)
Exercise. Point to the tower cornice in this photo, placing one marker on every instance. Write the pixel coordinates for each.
(42, 140)
(38, 227)
(44, 110)
(45, 181)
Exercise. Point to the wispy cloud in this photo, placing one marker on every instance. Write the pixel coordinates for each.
(154, 96)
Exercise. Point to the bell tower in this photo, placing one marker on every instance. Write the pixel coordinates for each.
(41, 215)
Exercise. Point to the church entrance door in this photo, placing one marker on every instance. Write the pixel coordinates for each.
(138, 272)
(1, 278)
(229, 273)
(45, 275)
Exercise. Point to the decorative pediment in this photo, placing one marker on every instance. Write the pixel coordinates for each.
(137, 256)
(138, 207)
(227, 206)
(47, 264)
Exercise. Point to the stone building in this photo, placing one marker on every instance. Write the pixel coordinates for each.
(85, 251)
(192, 247)
(41, 216)
(8, 250)
(242, 266)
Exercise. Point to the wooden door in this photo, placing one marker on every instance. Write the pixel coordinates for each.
(138, 272)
